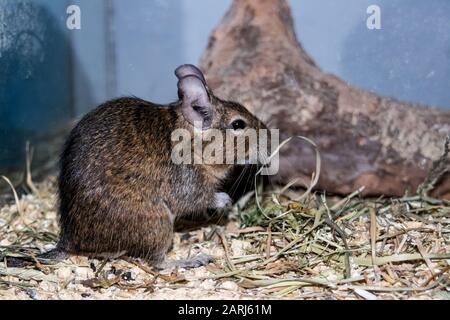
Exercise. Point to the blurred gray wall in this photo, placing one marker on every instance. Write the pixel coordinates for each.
(409, 58)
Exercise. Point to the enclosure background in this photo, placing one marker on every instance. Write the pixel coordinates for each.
(50, 75)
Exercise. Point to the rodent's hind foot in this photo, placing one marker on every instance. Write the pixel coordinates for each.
(53, 256)
(196, 262)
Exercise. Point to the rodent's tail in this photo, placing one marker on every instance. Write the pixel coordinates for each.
(54, 255)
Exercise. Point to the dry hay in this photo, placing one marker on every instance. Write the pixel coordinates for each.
(317, 248)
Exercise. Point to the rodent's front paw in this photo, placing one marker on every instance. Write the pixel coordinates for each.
(222, 201)
(197, 262)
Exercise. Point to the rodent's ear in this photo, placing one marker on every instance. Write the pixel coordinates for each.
(196, 106)
(187, 70)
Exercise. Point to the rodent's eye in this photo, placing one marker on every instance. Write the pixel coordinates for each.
(238, 124)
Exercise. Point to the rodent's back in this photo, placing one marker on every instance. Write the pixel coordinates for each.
(117, 145)
(125, 125)
(115, 164)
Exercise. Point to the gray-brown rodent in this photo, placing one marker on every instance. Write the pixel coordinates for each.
(119, 190)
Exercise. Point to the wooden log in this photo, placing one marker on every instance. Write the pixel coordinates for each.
(381, 143)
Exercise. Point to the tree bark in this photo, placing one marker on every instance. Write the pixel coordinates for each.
(367, 140)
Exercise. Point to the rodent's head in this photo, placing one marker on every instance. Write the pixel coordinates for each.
(200, 105)
(203, 110)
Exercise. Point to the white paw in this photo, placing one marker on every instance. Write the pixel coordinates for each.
(222, 201)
